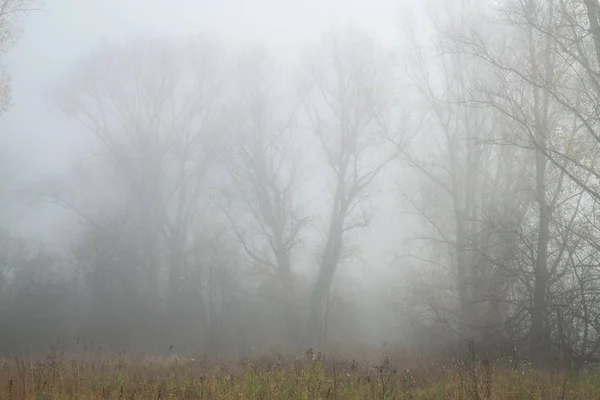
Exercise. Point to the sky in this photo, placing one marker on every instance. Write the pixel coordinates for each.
(54, 39)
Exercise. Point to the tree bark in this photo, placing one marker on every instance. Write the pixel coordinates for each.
(539, 309)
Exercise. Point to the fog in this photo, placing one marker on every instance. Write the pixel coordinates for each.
(213, 177)
(65, 31)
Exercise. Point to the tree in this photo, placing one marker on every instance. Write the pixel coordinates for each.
(522, 93)
(348, 108)
(534, 75)
(11, 14)
(264, 178)
(153, 105)
(463, 178)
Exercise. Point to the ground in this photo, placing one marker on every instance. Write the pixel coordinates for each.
(307, 375)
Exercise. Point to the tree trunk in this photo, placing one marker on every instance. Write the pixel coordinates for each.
(331, 258)
(539, 310)
(540, 305)
(318, 301)
(462, 271)
(593, 13)
(287, 295)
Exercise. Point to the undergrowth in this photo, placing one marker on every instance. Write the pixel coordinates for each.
(303, 376)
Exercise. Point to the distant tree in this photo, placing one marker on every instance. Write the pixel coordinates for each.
(154, 108)
(348, 106)
(264, 177)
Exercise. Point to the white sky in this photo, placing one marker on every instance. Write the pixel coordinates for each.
(54, 39)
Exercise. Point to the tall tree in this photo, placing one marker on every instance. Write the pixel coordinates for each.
(461, 172)
(153, 105)
(349, 109)
(265, 177)
(535, 87)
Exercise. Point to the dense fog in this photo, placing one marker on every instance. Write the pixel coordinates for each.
(216, 177)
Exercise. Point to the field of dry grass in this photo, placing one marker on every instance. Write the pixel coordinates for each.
(303, 376)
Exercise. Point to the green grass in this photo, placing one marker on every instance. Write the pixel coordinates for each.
(293, 377)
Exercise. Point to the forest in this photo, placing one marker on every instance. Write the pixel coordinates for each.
(432, 194)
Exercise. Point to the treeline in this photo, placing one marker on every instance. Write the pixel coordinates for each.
(228, 187)
(198, 199)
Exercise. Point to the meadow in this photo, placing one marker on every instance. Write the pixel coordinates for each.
(301, 376)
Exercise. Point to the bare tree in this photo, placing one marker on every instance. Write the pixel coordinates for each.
(351, 95)
(153, 106)
(539, 89)
(265, 178)
(455, 167)
(486, 135)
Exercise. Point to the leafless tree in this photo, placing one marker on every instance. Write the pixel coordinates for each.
(349, 106)
(534, 107)
(263, 190)
(153, 106)
(459, 177)
(536, 85)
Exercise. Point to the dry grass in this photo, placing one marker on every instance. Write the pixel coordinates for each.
(303, 376)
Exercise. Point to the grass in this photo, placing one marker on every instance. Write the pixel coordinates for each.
(304, 376)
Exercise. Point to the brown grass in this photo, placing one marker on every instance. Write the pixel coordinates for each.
(309, 375)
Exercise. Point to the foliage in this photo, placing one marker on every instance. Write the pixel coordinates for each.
(11, 12)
